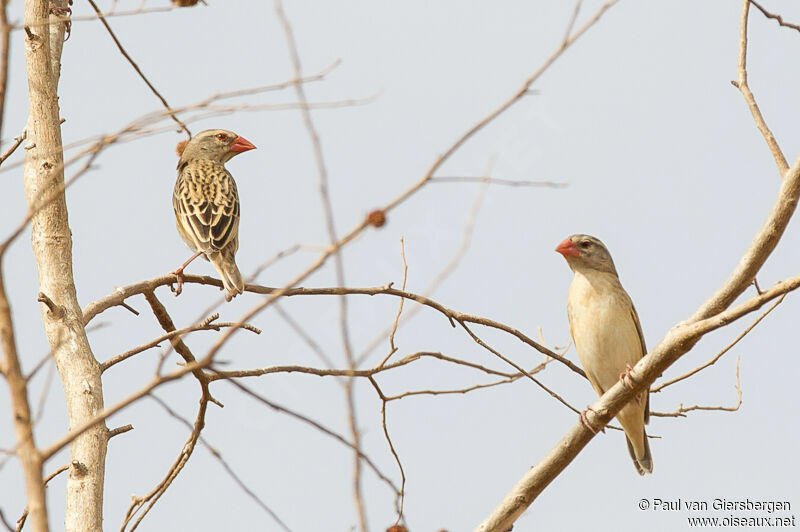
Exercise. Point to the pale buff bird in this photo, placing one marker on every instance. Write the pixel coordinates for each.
(207, 205)
(607, 334)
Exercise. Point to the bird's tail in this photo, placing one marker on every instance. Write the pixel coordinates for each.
(643, 463)
(230, 274)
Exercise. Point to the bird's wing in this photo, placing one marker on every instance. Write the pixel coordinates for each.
(644, 352)
(207, 206)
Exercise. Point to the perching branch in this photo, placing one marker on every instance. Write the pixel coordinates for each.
(678, 341)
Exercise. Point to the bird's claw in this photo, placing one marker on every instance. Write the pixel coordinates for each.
(178, 280)
(585, 421)
(626, 377)
(64, 12)
(60, 11)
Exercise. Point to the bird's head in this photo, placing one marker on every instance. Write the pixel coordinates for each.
(217, 145)
(584, 252)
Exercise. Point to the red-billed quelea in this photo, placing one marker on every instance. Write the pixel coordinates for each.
(607, 334)
(207, 205)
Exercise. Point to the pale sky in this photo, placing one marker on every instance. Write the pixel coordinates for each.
(663, 163)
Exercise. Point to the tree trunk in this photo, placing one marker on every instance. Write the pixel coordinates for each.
(52, 247)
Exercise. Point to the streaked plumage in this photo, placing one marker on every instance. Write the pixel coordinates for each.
(206, 202)
(607, 334)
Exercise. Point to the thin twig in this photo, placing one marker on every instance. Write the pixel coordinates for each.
(107, 14)
(461, 391)
(51, 476)
(107, 412)
(119, 430)
(444, 273)
(304, 336)
(505, 359)
(228, 469)
(121, 293)
(137, 69)
(776, 17)
(318, 426)
(205, 325)
(572, 20)
(744, 88)
(682, 410)
(498, 181)
(4, 522)
(400, 499)
(330, 225)
(5, 31)
(17, 141)
(346, 372)
(392, 347)
(721, 353)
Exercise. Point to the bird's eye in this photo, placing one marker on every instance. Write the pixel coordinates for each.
(222, 136)
(585, 244)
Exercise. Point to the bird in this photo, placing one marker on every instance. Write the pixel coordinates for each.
(607, 335)
(206, 204)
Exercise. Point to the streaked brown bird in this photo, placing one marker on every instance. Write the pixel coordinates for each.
(206, 204)
(607, 335)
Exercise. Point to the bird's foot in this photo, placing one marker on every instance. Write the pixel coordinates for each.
(60, 11)
(626, 377)
(179, 274)
(178, 280)
(63, 12)
(585, 421)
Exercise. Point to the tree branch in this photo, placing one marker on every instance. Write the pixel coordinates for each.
(760, 247)
(52, 248)
(124, 292)
(678, 341)
(744, 88)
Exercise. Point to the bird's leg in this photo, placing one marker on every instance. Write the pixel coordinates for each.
(625, 376)
(179, 274)
(63, 12)
(585, 421)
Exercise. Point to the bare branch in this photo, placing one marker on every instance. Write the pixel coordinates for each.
(107, 14)
(760, 247)
(154, 383)
(461, 391)
(119, 430)
(51, 476)
(392, 347)
(318, 426)
(330, 225)
(304, 336)
(206, 325)
(30, 458)
(776, 17)
(400, 499)
(17, 141)
(4, 522)
(678, 341)
(5, 32)
(257, 372)
(721, 353)
(682, 410)
(497, 181)
(496, 353)
(444, 273)
(228, 469)
(744, 88)
(524, 90)
(138, 503)
(137, 69)
(122, 293)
